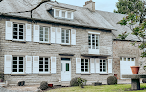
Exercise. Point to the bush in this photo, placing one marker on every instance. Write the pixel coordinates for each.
(111, 80)
(74, 82)
(43, 85)
(144, 80)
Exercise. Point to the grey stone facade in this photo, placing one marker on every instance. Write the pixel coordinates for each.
(48, 50)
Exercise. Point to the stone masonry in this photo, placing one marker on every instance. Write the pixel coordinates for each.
(42, 49)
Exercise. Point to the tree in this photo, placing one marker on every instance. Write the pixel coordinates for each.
(128, 6)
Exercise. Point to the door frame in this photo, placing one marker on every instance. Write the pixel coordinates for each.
(65, 67)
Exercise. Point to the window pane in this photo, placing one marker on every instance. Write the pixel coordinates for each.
(82, 67)
(86, 70)
(82, 70)
(57, 13)
(14, 70)
(40, 62)
(14, 66)
(20, 70)
(89, 41)
(67, 66)
(97, 42)
(62, 36)
(93, 41)
(14, 25)
(46, 66)
(128, 59)
(20, 26)
(124, 59)
(20, 62)
(46, 70)
(20, 58)
(20, 66)
(121, 58)
(63, 14)
(41, 70)
(14, 62)
(40, 66)
(100, 70)
(14, 58)
(132, 59)
(68, 15)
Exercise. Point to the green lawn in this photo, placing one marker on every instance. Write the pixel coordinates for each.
(103, 88)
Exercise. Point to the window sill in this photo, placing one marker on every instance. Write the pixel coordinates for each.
(85, 73)
(103, 73)
(22, 41)
(45, 43)
(44, 74)
(16, 74)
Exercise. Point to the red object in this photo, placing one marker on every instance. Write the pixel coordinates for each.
(135, 69)
(50, 85)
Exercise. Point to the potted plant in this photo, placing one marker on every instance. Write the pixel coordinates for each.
(135, 69)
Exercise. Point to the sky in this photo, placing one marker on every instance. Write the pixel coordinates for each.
(103, 5)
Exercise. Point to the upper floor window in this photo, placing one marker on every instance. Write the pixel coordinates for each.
(18, 64)
(64, 14)
(65, 36)
(44, 34)
(93, 41)
(18, 31)
(44, 64)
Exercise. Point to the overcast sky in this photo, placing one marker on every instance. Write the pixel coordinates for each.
(103, 5)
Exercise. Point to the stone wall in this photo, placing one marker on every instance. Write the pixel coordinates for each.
(49, 50)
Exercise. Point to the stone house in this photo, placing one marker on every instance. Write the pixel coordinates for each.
(59, 43)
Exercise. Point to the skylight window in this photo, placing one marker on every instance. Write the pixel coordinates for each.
(69, 15)
(57, 13)
(63, 14)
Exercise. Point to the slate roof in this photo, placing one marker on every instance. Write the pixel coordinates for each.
(82, 16)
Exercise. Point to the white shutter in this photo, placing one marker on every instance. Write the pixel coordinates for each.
(92, 69)
(53, 29)
(58, 35)
(53, 64)
(8, 64)
(35, 64)
(28, 64)
(36, 33)
(73, 37)
(28, 32)
(109, 65)
(97, 61)
(9, 28)
(78, 65)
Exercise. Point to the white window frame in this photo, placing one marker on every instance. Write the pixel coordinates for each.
(91, 40)
(66, 14)
(18, 31)
(102, 66)
(65, 36)
(18, 65)
(44, 65)
(44, 35)
(84, 65)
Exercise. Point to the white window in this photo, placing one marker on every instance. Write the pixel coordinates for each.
(93, 41)
(57, 13)
(44, 64)
(63, 14)
(18, 64)
(69, 15)
(44, 34)
(103, 66)
(18, 31)
(85, 65)
(65, 36)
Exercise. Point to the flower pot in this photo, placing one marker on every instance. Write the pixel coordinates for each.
(135, 69)
(50, 85)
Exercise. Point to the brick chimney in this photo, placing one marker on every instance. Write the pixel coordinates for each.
(90, 5)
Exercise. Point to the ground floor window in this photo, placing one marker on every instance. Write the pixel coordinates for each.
(103, 66)
(17, 64)
(44, 64)
(85, 65)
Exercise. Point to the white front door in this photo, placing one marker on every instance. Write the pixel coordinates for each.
(125, 64)
(65, 70)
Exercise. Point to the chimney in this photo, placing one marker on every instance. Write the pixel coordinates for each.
(90, 5)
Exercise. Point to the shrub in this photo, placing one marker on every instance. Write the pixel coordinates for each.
(74, 82)
(111, 80)
(144, 80)
(43, 85)
(80, 81)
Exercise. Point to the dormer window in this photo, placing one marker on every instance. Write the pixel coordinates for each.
(57, 13)
(63, 13)
(69, 15)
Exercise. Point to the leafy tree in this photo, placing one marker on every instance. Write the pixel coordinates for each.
(128, 6)
(131, 21)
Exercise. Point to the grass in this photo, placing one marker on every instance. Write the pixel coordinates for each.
(102, 88)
